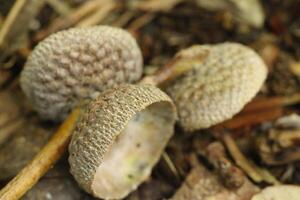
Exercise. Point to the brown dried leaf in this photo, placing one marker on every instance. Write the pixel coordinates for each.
(204, 185)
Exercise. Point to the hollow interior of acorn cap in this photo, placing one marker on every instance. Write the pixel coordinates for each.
(135, 151)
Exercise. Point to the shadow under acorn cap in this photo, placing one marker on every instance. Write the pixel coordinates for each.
(119, 138)
(217, 87)
(78, 63)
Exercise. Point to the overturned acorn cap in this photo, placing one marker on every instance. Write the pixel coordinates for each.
(218, 86)
(76, 64)
(119, 138)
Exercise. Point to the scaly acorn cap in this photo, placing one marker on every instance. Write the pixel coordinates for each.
(248, 12)
(119, 138)
(76, 64)
(218, 86)
(279, 192)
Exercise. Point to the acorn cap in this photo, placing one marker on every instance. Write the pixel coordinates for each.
(76, 64)
(217, 87)
(248, 12)
(119, 138)
(279, 192)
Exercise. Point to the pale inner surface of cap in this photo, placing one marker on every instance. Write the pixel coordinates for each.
(135, 151)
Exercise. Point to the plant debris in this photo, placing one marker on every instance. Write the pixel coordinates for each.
(279, 144)
(242, 158)
(202, 184)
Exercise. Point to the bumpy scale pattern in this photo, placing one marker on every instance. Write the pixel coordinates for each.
(102, 122)
(218, 87)
(76, 64)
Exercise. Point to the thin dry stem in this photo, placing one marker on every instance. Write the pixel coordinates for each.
(61, 7)
(157, 5)
(97, 16)
(265, 103)
(10, 20)
(141, 21)
(170, 164)
(255, 173)
(173, 69)
(42, 162)
(18, 20)
(240, 159)
(7, 130)
(67, 21)
(251, 118)
(124, 18)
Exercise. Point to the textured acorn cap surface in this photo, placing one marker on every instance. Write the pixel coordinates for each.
(219, 86)
(119, 138)
(279, 192)
(75, 64)
(248, 12)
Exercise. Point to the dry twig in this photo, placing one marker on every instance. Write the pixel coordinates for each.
(67, 21)
(41, 163)
(251, 118)
(60, 7)
(7, 131)
(140, 22)
(97, 16)
(17, 24)
(157, 5)
(255, 173)
(271, 102)
(260, 110)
